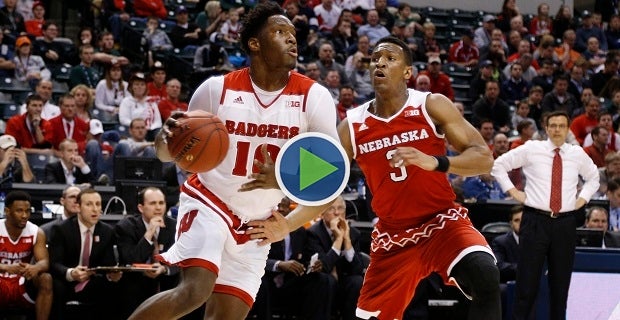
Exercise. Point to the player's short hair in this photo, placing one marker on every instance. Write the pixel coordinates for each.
(17, 195)
(255, 21)
(400, 43)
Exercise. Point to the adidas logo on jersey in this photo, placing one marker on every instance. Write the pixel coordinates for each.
(238, 100)
(363, 127)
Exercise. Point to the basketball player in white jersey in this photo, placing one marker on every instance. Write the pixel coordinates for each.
(262, 107)
(22, 281)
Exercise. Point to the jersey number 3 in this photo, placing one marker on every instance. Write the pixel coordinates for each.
(399, 173)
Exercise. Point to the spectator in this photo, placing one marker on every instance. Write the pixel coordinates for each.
(360, 79)
(147, 8)
(515, 88)
(613, 33)
(140, 105)
(7, 66)
(67, 125)
(587, 30)
(327, 14)
(578, 83)
(509, 10)
(136, 144)
(44, 90)
(32, 132)
(583, 124)
(544, 79)
(186, 33)
(346, 102)
(522, 114)
(527, 65)
(289, 283)
(482, 188)
(546, 51)
(482, 35)
(85, 73)
(490, 106)
(363, 50)
(596, 218)
(71, 167)
(612, 193)
(14, 165)
(541, 24)
(86, 35)
(485, 73)
(98, 153)
(156, 39)
(34, 25)
(171, 102)
(11, 20)
(109, 93)
(313, 71)
(157, 87)
(70, 208)
(140, 237)
(613, 141)
(559, 99)
(332, 83)
(598, 150)
(78, 243)
(231, 27)
(534, 100)
(495, 53)
(344, 41)
(106, 54)
(51, 50)
(506, 247)
(562, 21)
(517, 24)
(514, 41)
(500, 144)
(24, 275)
(428, 46)
(464, 52)
(486, 130)
(440, 82)
(83, 101)
(566, 51)
(337, 246)
(326, 62)
(525, 131)
(373, 29)
(594, 55)
(211, 18)
(29, 67)
(611, 69)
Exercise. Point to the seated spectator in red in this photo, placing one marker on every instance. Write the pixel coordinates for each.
(526, 130)
(157, 86)
(598, 149)
(346, 101)
(440, 82)
(32, 132)
(464, 52)
(68, 125)
(171, 102)
(34, 26)
(584, 123)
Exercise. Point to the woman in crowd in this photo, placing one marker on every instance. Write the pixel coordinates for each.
(109, 93)
(140, 105)
(83, 101)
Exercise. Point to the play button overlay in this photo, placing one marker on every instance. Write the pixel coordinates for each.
(312, 169)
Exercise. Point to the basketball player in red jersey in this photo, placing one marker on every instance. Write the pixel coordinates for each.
(398, 141)
(21, 282)
(262, 106)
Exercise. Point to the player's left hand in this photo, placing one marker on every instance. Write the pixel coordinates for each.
(29, 271)
(411, 156)
(274, 229)
(266, 176)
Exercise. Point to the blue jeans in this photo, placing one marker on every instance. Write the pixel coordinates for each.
(97, 162)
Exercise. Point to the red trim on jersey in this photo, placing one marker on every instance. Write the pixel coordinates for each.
(206, 197)
(244, 296)
(240, 80)
(191, 262)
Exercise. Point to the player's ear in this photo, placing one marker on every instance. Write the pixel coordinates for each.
(408, 72)
(253, 44)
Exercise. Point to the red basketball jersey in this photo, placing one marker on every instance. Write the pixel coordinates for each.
(17, 251)
(408, 196)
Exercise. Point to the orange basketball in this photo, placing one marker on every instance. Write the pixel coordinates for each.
(199, 143)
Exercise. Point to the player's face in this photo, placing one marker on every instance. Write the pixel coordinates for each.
(277, 43)
(154, 205)
(387, 66)
(18, 213)
(90, 209)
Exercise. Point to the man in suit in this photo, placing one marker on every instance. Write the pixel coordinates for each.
(68, 125)
(506, 247)
(287, 282)
(139, 238)
(70, 208)
(71, 169)
(80, 243)
(337, 246)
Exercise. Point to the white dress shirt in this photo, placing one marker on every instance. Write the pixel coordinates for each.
(536, 160)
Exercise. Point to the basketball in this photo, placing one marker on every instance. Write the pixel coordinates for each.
(199, 143)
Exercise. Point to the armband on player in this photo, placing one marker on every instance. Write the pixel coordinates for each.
(443, 163)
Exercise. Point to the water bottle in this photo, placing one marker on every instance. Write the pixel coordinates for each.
(2, 196)
(361, 189)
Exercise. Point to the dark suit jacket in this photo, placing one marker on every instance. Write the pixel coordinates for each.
(506, 250)
(319, 241)
(55, 174)
(298, 239)
(65, 244)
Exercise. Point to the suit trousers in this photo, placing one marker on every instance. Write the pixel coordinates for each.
(543, 237)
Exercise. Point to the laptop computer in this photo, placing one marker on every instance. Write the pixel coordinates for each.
(590, 237)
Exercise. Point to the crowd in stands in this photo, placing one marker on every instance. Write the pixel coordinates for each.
(71, 106)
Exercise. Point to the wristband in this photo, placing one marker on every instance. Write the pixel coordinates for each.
(442, 163)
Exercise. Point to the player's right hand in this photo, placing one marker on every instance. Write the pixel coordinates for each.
(171, 122)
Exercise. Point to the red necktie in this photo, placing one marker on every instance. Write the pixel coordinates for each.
(68, 130)
(556, 183)
(85, 257)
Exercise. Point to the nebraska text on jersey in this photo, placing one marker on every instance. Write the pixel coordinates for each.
(396, 139)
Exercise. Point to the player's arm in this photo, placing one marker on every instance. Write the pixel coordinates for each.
(41, 256)
(474, 155)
